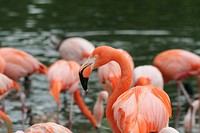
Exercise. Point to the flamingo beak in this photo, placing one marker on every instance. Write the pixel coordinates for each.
(85, 71)
(84, 75)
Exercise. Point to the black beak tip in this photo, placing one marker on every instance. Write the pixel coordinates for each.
(84, 81)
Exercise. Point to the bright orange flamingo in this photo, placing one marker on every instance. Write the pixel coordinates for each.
(48, 127)
(74, 48)
(147, 74)
(20, 64)
(108, 76)
(177, 64)
(63, 76)
(138, 109)
(7, 121)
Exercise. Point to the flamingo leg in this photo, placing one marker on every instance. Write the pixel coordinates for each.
(180, 84)
(71, 109)
(22, 95)
(3, 104)
(178, 110)
(57, 114)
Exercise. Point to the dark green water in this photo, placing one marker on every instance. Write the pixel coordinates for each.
(143, 28)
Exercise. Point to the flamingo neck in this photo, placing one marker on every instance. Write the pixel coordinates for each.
(122, 86)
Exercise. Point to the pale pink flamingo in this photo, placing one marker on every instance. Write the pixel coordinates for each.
(139, 109)
(168, 130)
(178, 64)
(98, 109)
(189, 119)
(7, 121)
(6, 85)
(147, 74)
(48, 127)
(20, 64)
(73, 48)
(63, 76)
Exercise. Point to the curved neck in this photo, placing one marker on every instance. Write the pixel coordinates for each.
(123, 84)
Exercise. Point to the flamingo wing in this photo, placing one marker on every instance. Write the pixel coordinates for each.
(142, 109)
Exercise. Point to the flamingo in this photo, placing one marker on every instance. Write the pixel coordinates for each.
(98, 109)
(190, 116)
(63, 76)
(139, 109)
(147, 74)
(74, 48)
(178, 64)
(7, 121)
(20, 64)
(6, 85)
(49, 127)
(168, 130)
(108, 76)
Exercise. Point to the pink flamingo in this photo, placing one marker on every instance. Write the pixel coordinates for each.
(63, 76)
(177, 64)
(20, 64)
(168, 130)
(139, 109)
(6, 85)
(48, 127)
(189, 119)
(98, 109)
(7, 121)
(74, 48)
(147, 74)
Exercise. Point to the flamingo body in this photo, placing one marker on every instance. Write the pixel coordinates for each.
(168, 130)
(20, 64)
(6, 84)
(134, 113)
(76, 48)
(177, 64)
(63, 75)
(48, 127)
(147, 74)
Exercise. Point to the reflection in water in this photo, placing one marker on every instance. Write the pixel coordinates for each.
(143, 29)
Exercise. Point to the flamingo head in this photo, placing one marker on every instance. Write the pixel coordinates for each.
(98, 58)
